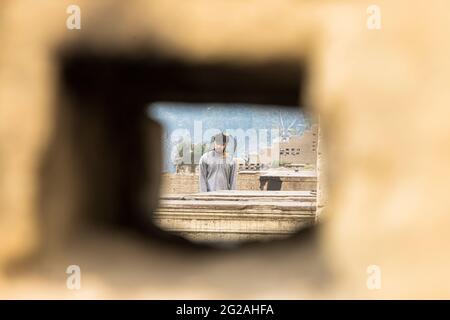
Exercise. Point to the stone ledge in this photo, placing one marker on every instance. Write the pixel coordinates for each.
(236, 215)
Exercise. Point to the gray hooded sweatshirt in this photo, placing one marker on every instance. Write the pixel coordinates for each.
(216, 172)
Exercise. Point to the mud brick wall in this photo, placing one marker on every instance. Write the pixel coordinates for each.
(383, 102)
(172, 183)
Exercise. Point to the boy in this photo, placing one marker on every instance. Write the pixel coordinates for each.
(217, 169)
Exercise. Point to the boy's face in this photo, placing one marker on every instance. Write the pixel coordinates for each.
(219, 147)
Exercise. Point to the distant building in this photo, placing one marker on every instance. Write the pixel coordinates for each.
(299, 149)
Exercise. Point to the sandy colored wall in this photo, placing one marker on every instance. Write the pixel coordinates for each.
(383, 103)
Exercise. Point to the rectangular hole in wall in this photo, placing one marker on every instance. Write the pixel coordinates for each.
(117, 148)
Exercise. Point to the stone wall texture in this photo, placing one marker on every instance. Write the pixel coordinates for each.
(383, 102)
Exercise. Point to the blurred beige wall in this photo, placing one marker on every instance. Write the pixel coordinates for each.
(382, 97)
